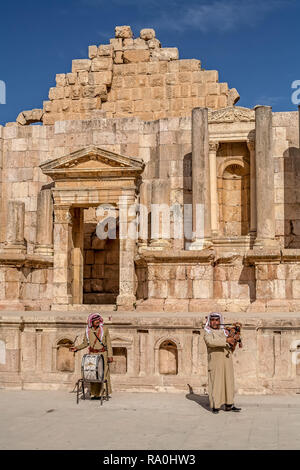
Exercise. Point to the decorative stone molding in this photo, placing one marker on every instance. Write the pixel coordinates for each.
(231, 114)
(92, 162)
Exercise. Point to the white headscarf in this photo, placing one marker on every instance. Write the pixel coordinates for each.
(207, 324)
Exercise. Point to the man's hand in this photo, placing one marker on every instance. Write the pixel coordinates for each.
(230, 340)
(110, 359)
(73, 349)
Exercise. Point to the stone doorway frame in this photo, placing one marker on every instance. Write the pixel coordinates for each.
(82, 179)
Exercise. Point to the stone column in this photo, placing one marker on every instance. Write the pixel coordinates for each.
(62, 267)
(44, 230)
(213, 148)
(15, 242)
(160, 215)
(145, 203)
(265, 214)
(251, 148)
(77, 255)
(200, 180)
(127, 281)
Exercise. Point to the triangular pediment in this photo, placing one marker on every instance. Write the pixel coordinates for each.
(121, 339)
(231, 114)
(92, 162)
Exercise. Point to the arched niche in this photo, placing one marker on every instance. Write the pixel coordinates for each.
(234, 197)
(168, 358)
(65, 360)
(119, 364)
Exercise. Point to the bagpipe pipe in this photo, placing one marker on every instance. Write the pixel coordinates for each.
(233, 331)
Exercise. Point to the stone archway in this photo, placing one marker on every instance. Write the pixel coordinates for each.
(65, 360)
(234, 198)
(168, 358)
(83, 179)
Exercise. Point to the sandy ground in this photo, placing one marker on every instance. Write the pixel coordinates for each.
(53, 420)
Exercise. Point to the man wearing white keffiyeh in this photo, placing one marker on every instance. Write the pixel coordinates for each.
(220, 366)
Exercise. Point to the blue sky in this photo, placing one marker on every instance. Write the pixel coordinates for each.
(253, 44)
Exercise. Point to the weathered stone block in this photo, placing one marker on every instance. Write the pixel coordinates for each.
(170, 53)
(147, 34)
(101, 63)
(102, 78)
(189, 65)
(71, 78)
(296, 289)
(83, 78)
(123, 32)
(202, 289)
(210, 75)
(117, 44)
(60, 79)
(56, 93)
(154, 44)
(175, 305)
(130, 56)
(139, 44)
(118, 57)
(79, 65)
(93, 52)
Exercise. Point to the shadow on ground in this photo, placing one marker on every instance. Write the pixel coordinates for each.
(201, 400)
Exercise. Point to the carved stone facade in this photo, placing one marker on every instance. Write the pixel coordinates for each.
(134, 140)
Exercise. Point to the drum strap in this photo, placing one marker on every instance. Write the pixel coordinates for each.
(97, 338)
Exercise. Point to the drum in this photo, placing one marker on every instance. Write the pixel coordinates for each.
(92, 367)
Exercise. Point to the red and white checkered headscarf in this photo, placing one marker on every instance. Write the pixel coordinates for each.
(91, 318)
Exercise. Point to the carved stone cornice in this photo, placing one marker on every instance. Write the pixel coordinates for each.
(231, 114)
(205, 256)
(25, 260)
(262, 256)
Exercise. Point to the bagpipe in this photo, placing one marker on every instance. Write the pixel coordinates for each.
(233, 330)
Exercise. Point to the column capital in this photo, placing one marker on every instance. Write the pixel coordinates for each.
(251, 145)
(213, 146)
(62, 214)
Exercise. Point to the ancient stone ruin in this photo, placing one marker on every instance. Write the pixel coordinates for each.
(131, 133)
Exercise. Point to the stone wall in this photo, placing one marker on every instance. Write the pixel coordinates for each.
(153, 352)
(132, 77)
(165, 147)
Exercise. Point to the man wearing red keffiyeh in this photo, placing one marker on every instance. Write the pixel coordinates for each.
(97, 338)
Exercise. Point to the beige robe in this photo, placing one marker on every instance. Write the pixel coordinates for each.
(96, 389)
(220, 369)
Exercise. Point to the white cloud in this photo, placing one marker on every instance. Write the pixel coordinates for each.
(205, 16)
(269, 100)
(220, 15)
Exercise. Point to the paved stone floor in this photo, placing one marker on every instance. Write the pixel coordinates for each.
(53, 420)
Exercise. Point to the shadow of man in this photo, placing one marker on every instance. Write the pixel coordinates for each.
(202, 400)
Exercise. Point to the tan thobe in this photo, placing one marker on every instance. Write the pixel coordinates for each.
(220, 369)
(96, 388)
